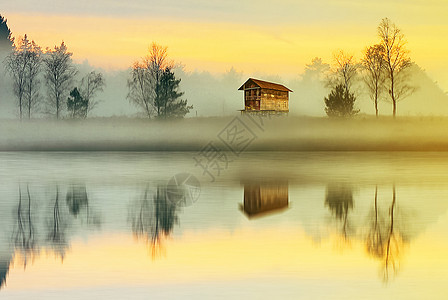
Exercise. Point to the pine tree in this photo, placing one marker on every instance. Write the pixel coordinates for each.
(6, 39)
(168, 99)
(340, 102)
(77, 105)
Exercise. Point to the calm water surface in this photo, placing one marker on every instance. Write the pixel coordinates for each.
(329, 225)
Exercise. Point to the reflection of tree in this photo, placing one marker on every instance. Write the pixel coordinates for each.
(394, 242)
(4, 269)
(339, 199)
(57, 229)
(385, 240)
(23, 234)
(78, 201)
(153, 218)
(376, 235)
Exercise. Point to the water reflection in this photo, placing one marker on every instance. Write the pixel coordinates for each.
(77, 199)
(24, 231)
(385, 239)
(263, 198)
(5, 261)
(57, 227)
(43, 222)
(153, 217)
(52, 216)
(339, 199)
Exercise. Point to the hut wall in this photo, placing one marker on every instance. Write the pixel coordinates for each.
(274, 100)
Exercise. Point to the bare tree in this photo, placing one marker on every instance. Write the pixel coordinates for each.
(59, 73)
(344, 71)
(145, 79)
(16, 64)
(90, 85)
(397, 61)
(24, 66)
(374, 65)
(32, 86)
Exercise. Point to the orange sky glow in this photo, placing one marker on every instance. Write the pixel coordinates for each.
(273, 48)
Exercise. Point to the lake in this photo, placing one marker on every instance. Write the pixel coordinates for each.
(289, 225)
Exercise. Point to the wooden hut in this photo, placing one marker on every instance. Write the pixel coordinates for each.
(263, 96)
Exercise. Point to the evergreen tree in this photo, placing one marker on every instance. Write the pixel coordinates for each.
(340, 102)
(168, 101)
(77, 105)
(6, 40)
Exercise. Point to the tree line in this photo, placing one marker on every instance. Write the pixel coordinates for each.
(383, 68)
(153, 86)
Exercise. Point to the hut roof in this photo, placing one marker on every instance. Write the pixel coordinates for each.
(266, 85)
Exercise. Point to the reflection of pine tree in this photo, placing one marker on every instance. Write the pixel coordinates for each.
(153, 218)
(339, 199)
(76, 199)
(23, 234)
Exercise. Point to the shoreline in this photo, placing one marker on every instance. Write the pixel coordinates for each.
(363, 133)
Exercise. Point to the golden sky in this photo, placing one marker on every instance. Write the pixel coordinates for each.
(251, 36)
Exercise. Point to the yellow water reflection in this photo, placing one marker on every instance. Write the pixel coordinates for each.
(218, 255)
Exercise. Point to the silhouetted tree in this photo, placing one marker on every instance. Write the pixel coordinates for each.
(77, 105)
(339, 199)
(145, 77)
(167, 99)
(59, 73)
(89, 87)
(6, 39)
(32, 86)
(23, 64)
(397, 61)
(344, 71)
(375, 72)
(340, 102)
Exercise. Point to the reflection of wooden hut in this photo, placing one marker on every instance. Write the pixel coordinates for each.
(260, 198)
(265, 97)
